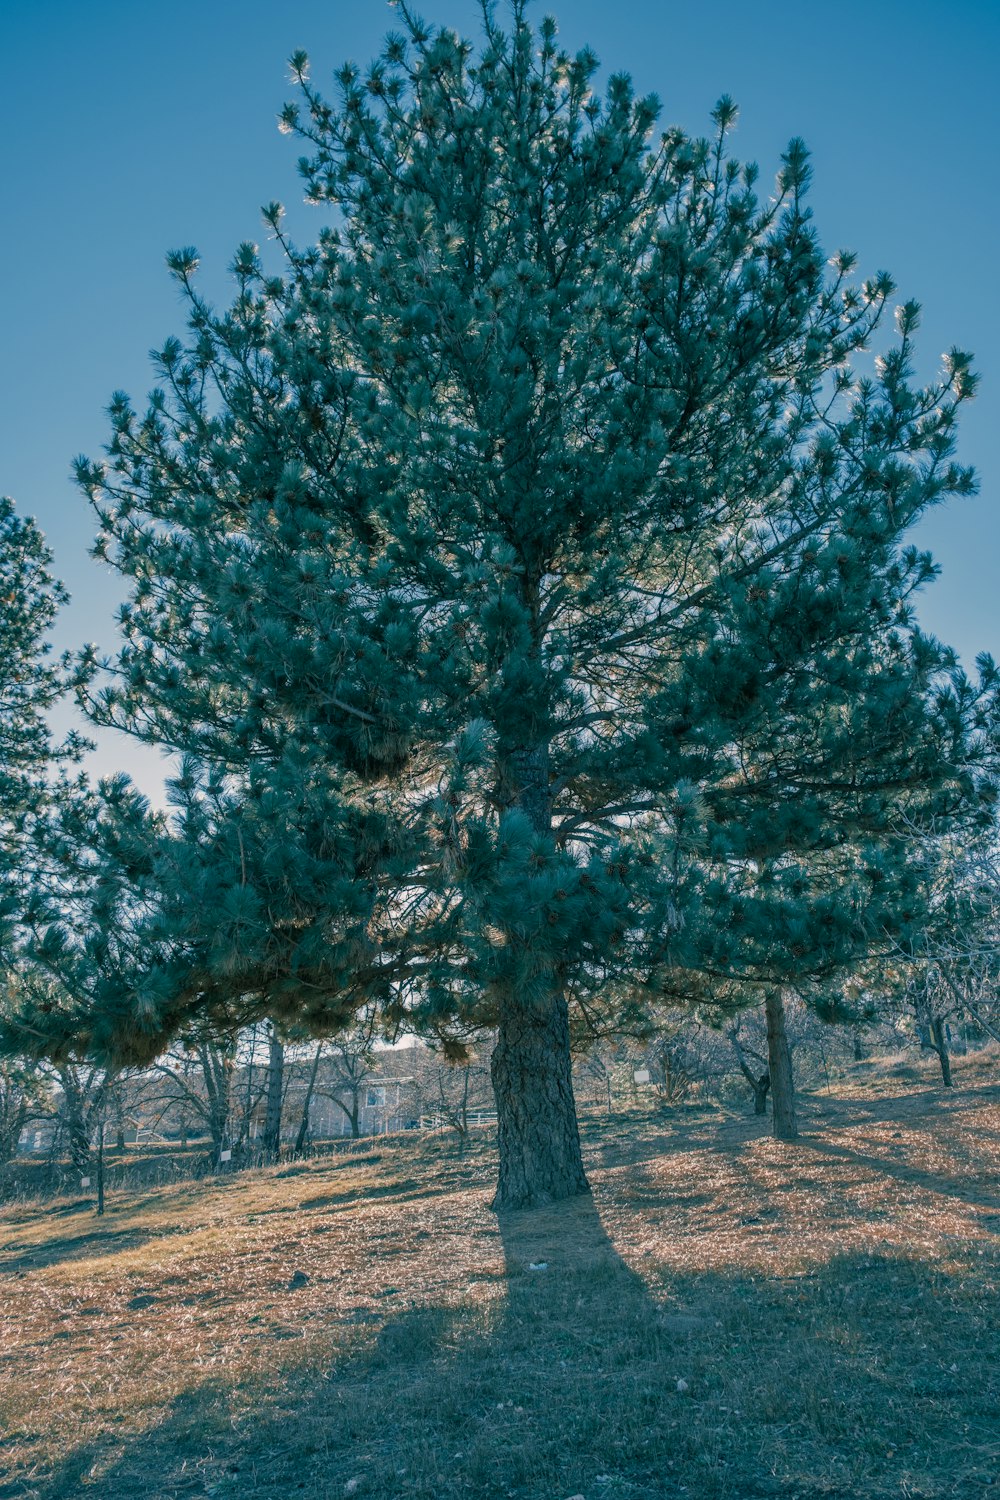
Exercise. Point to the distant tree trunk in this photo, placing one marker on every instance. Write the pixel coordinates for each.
(79, 1146)
(115, 1105)
(456, 1114)
(760, 1083)
(77, 1133)
(11, 1125)
(859, 1051)
(100, 1168)
(784, 1126)
(216, 1076)
(243, 1136)
(275, 1088)
(218, 1129)
(300, 1139)
(939, 1044)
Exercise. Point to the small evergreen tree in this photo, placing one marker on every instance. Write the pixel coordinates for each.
(472, 554)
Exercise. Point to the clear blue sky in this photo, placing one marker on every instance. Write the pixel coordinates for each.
(130, 128)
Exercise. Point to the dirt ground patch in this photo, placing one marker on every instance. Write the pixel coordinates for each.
(728, 1318)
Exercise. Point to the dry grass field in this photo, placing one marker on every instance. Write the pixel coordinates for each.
(729, 1318)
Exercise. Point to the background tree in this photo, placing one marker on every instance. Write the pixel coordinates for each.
(81, 1105)
(456, 1092)
(303, 1134)
(219, 1085)
(271, 1134)
(878, 736)
(753, 1064)
(948, 971)
(351, 1062)
(471, 553)
(31, 682)
(22, 1099)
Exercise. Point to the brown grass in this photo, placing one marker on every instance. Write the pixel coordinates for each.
(829, 1306)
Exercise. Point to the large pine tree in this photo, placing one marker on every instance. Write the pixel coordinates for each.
(472, 552)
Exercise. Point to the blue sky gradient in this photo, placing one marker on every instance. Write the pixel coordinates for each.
(129, 129)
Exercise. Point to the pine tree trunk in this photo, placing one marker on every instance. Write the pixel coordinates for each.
(275, 1086)
(784, 1126)
(761, 1088)
(939, 1043)
(539, 1142)
(73, 1120)
(79, 1146)
(531, 1068)
(79, 1137)
(244, 1136)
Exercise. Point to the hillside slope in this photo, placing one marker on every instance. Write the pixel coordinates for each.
(728, 1318)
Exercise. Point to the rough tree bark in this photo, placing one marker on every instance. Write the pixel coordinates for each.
(531, 1068)
(784, 1126)
(78, 1139)
(539, 1142)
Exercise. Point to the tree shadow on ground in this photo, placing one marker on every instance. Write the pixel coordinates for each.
(554, 1368)
(96, 1243)
(615, 1142)
(941, 1183)
(919, 1100)
(820, 1139)
(407, 1190)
